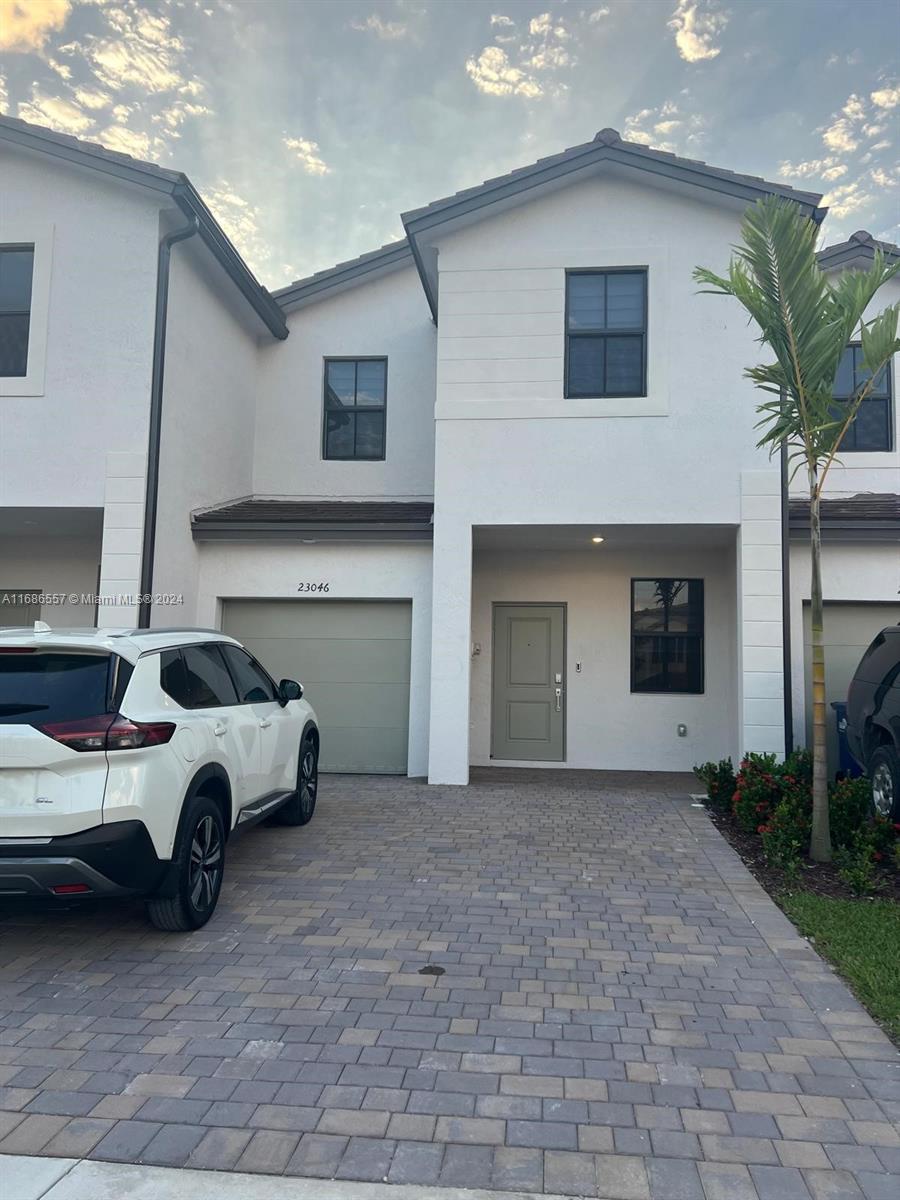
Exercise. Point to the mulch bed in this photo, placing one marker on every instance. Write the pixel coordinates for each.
(821, 878)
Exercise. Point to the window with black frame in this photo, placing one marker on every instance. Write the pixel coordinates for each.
(870, 429)
(355, 398)
(606, 333)
(667, 635)
(16, 271)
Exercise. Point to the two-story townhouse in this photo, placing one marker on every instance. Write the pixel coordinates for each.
(604, 579)
(88, 320)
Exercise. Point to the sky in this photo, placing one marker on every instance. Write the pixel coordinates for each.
(309, 125)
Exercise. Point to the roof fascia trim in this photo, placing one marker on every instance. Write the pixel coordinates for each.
(307, 291)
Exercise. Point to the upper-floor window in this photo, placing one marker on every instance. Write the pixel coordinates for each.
(606, 333)
(667, 635)
(870, 429)
(16, 270)
(355, 397)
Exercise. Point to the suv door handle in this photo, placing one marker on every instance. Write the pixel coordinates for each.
(264, 724)
(220, 730)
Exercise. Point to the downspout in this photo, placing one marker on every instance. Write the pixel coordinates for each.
(786, 604)
(151, 498)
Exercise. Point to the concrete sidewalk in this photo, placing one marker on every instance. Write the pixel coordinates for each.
(25, 1178)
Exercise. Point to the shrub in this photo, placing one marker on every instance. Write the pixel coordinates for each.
(719, 780)
(848, 808)
(785, 835)
(756, 791)
(855, 862)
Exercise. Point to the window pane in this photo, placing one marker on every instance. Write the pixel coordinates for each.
(209, 683)
(253, 686)
(14, 344)
(370, 383)
(370, 435)
(339, 435)
(880, 387)
(587, 307)
(51, 686)
(625, 300)
(16, 269)
(870, 426)
(843, 383)
(667, 664)
(649, 669)
(173, 678)
(586, 355)
(667, 606)
(624, 366)
(340, 384)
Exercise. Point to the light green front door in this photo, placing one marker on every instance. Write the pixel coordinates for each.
(528, 690)
(353, 659)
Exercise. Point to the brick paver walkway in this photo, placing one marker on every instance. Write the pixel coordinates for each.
(617, 1009)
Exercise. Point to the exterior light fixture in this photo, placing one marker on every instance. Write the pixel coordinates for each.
(596, 540)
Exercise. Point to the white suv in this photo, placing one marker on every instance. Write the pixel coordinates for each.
(128, 758)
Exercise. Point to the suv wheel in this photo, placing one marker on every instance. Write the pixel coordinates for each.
(199, 864)
(884, 771)
(301, 806)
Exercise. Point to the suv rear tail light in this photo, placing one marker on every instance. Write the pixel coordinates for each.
(111, 731)
(69, 889)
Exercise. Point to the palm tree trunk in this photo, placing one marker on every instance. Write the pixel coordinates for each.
(820, 839)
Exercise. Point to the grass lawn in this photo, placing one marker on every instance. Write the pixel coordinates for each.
(862, 939)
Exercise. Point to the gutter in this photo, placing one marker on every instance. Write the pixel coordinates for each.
(154, 438)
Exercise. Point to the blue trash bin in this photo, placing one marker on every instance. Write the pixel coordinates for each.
(848, 767)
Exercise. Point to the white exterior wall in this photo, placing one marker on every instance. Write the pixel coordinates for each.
(510, 449)
(354, 572)
(606, 724)
(100, 240)
(211, 378)
(388, 317)
(54, 565)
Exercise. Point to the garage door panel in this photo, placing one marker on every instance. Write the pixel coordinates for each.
(353, 659)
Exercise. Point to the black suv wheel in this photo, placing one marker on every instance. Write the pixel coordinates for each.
(300, 808)
(199, 863)
(884, 772)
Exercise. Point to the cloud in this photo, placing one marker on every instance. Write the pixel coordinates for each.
(387, 31)
(505, 28)
(885, 179)
(840, 136)
(499, 19)
(25, 25)
(847, 199)
(4, 96)
(815, 168)
(493, 74)
(656, 126)
(597, 15)
(139, 49)
(696, 24)
(57, 113)
(242, 223)
(886, 97)
(307, 153)
(128, 141)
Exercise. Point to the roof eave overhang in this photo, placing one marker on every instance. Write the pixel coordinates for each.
(848, 530)
(420, 222)
(184, 194)
(310, 291)
(294, 531)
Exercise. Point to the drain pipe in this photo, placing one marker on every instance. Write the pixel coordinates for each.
(786, 604)
(151, 498)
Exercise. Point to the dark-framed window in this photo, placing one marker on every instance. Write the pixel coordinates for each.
(667, 635)
(355, 399)
(870, 429)
(606, 333)
(16, 272)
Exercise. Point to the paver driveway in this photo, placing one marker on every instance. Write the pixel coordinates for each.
(620, 1011)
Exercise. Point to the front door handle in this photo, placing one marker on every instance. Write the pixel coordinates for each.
(220, 730)
(559, 699)
(264, 724)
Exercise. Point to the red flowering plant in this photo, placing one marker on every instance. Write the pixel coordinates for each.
(757, 791)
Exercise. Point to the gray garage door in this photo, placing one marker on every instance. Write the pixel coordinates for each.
(352, 657)
(849, 628)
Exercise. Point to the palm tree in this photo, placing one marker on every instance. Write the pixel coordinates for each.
(806, 320)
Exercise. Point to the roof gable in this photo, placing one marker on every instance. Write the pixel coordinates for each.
(163, 182)
(606, 148)
(364, 269)
(858, 252)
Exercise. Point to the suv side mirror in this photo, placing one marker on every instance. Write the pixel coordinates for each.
(290, 689)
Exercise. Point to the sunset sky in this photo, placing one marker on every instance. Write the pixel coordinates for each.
(309, 126)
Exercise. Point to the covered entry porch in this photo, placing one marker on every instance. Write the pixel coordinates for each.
(611, 647)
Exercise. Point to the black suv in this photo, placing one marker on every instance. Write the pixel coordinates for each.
(873, 720)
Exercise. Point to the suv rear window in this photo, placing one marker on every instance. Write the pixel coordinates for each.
(53, 685)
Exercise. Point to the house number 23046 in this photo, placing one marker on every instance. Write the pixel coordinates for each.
(314, 587)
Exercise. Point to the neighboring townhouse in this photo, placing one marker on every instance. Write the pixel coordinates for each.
(491, 491)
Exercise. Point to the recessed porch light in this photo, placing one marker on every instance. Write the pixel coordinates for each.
(596, 540)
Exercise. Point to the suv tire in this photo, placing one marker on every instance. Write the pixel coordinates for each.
(301, 806)
(199, 864)
(884, 772)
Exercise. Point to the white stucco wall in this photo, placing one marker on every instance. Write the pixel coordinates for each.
(608, 727)
(353, 571)
(206, 457)
(387, 317)
(53, 566)
(101, 239)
